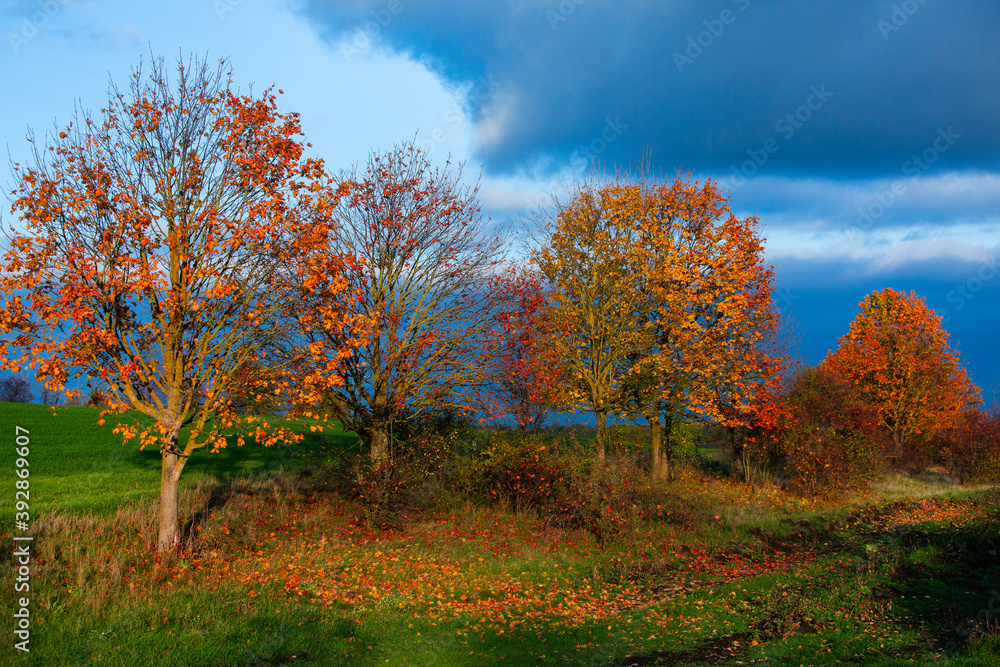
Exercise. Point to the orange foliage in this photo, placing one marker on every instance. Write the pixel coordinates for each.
(714, 355)
(664, 305)
(162, 246)
(897, 356)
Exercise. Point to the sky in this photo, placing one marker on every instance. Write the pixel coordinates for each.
(863, 134)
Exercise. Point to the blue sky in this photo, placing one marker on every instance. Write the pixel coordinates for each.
(864, 133)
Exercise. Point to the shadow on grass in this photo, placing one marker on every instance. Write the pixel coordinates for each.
(948, 581)
(717, 651)
(231, 470)
(316, 449)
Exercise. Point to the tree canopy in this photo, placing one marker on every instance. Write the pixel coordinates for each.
(897, 356)
(162, 246)
(426, 257)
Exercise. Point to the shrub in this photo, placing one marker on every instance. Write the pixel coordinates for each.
(555, 478)
(756, 456)
(616, 500)
(431, 455)
(548, 476)
(831, 440)
(527, 472)
(971, 448)
(628, 439)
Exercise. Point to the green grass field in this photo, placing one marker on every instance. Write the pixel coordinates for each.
(281, 569)
(83, 467)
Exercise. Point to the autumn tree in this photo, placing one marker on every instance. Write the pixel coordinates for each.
(588, 262)
(664, 301)
(751, 382)
(427, 256)
(707, 304)
(520, 351)
(160, 247)
(970, 447)
(828, 439)
(749, 390)
(896, 355)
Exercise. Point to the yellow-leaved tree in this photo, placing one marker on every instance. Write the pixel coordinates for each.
(661, 298)
(588, 261)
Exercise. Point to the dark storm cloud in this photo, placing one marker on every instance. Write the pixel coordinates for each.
(855, 87)
(838, 123)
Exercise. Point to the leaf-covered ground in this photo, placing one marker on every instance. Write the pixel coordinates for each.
(279, 569)
(281, 581)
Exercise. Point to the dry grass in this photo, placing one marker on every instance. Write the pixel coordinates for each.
(933, 481)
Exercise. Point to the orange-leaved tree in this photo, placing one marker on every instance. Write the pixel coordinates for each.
(589, 263)
(160, 249)
(706, 305)
(896, 354)
(749, 390)
(428, 255)
(521, 351)
(753, 358)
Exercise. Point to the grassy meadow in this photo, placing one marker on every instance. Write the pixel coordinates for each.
(280, 566)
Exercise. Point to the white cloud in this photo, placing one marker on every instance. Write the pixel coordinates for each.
(347, 107)
(499, 114)
(885, 249)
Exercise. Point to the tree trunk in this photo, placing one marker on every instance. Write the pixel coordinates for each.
(379, 444)
(170, 477)
(666, 470)
(897, 441)
(741, 453)
(655, 434)
(602, 434)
